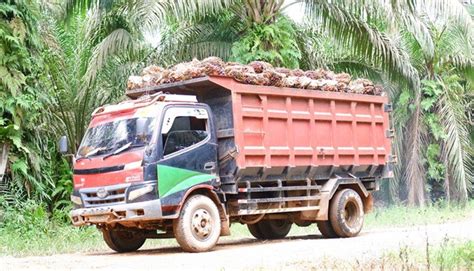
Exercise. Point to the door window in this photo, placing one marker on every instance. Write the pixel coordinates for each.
(182, 128)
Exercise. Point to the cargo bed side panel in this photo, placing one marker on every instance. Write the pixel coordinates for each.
(278, 127)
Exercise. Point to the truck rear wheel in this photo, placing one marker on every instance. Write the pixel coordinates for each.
(326, 229)
(122, 240)
(270, 229)
(198, 226)
(254, 229)
(346, 213)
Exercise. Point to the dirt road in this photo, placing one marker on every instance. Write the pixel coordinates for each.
(252, 254)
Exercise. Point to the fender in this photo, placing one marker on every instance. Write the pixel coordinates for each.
(332, 185)
(208, 190)
(207, 187)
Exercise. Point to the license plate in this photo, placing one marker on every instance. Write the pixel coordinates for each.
(98, 218)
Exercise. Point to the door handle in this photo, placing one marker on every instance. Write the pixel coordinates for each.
(210, 166)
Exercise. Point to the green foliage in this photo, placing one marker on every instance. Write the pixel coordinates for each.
(63, 187)
(274, 43)
(27, 228)
(452, 255)
(431, 91)
(403, 106)
(32, 218)
(22, 100)
(435, 168)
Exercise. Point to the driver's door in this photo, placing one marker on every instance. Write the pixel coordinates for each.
(188, 151)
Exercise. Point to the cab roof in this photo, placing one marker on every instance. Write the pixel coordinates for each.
(143, 101)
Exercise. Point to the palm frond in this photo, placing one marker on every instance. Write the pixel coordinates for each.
(146, 15)
(117, 42)
(211, 36)
(357, 68)
(364, 40)
(191, 9)
(455, 48)
(456, 148)
(445, 10)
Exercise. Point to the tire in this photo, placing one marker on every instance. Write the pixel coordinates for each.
(270, 229)
(198, 226)
(123, 241)
(254, 229)
(326, 229)
(346, 213)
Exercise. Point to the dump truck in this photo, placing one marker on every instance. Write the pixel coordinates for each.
(187, 159)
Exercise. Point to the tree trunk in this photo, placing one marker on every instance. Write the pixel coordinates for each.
(415, 175)
(447, 186)
(4, 148)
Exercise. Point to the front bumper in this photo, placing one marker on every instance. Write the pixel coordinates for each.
(126, 212)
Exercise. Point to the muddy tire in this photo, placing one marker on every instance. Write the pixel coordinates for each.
(346, 213)
(326, 229)
(123, 241)
(270, 229)
(198, 227)
(254, 229)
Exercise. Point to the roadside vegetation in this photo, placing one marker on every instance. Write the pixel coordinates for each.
(450, 255)
(405, 216)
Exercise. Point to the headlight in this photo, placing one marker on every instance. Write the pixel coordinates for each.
(140, 192)
(76, 200)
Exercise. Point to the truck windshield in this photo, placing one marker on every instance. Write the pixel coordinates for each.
(109, 137)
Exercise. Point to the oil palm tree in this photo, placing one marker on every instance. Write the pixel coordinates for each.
(438, 115)
(392, 41)
(69, 54)
(202, 28)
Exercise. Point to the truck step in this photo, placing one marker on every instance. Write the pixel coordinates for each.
(282, 199)
(282, 188)
(276, 210)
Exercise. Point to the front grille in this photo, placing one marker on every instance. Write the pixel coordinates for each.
(115, 195)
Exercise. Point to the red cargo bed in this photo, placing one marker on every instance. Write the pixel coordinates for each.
(272, 131)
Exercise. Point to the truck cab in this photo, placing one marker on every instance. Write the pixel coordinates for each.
(129, 146)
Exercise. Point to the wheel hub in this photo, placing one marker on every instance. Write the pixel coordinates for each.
(202, 224)
(350, 213)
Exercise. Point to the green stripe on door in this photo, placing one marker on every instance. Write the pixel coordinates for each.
(172, 179)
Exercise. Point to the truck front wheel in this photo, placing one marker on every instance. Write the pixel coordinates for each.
(198, 227)
(123, 240)
(270, 229)
(346, 213)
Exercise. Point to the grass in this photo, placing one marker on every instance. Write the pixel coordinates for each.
(402, 216)
(31, 232)
(450, 255)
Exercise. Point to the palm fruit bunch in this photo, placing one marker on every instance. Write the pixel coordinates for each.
(255, 73)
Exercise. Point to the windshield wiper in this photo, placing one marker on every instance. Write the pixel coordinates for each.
(94, 151)
(121, 149)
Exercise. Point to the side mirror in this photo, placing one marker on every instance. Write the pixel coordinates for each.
(63, 149)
